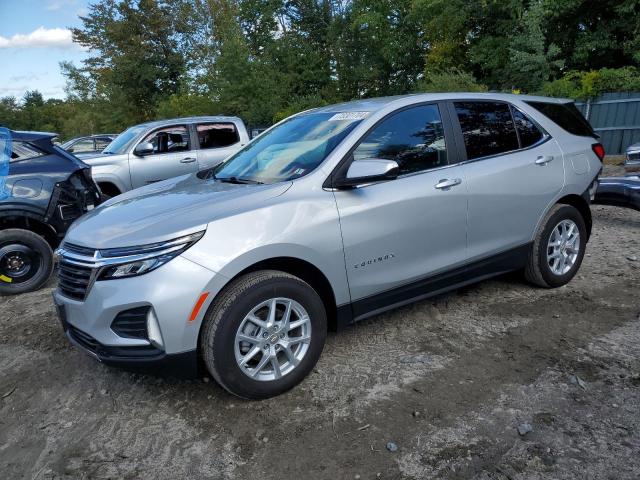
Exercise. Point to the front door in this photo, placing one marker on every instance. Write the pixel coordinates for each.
(172, 156)
(404, 230)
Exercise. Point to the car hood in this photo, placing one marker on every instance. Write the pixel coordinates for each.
(86, 155)
(166, 210)
(101, 158)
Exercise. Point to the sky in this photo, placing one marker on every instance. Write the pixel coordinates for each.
(34, 39)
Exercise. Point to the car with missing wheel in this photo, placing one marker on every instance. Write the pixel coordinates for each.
(333, 215)
(46, 190)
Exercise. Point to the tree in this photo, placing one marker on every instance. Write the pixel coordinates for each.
(135, 60)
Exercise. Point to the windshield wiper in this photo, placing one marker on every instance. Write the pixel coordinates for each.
(238, 180)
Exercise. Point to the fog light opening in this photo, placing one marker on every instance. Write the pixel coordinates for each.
(153, 330)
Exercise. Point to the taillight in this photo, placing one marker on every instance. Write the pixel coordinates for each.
(598, 149)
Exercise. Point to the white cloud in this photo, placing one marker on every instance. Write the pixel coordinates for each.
(41, 37)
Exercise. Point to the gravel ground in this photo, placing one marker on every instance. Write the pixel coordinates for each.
(447, 381)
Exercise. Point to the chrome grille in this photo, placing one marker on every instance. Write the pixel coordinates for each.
(634, 156)
(70, 247)
(75, 270)
(73, 280)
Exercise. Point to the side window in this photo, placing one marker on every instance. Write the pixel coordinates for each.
(101, 143)
(24, 151)
(169, 139)
(217, 135)
(528, 132)
(414, 138)
(487, 128)
(85, 145)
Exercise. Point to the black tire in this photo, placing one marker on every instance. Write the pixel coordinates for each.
(33, 252)
(538, 271)
(227, 312)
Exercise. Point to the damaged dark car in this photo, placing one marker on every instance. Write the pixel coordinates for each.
(46, 190)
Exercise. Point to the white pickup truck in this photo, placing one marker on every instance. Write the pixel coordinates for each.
(155, 151)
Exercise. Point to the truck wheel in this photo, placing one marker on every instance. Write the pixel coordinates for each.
(558, 249)
(263, 334)
(26, 261)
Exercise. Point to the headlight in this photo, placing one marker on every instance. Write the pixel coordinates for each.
(133, 261)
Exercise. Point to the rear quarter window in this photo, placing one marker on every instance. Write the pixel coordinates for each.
(528, 132)
(25, 151)
(566, 116)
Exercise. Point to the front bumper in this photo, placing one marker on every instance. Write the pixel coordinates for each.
(146, 359)
(170, 292)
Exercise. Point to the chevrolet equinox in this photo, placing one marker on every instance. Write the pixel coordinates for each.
(331, 216)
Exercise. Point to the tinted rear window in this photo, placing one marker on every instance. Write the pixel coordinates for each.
(566, 116)
(487, 128)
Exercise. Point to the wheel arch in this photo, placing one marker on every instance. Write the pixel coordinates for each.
(32, 222)
(109, 188)
(306, 271)
(580, 204)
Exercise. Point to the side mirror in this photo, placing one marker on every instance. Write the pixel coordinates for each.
(369, 170)
(143, 148)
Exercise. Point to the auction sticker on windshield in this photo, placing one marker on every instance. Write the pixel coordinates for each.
(349, 116)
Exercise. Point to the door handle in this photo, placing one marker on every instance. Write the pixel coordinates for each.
(543, 159)
(446, 183)
(188, 160)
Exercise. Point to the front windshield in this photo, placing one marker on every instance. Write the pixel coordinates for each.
(290, 150)
(122, 142)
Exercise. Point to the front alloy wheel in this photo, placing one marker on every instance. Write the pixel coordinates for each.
(273, 339)
(263, 334)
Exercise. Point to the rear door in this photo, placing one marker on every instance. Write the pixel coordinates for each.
(513, 170)
(172, 156)
(399, 232)
(216, 142)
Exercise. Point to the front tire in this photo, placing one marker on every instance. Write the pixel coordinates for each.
(558, 249)
(263, 334)
(26, 261)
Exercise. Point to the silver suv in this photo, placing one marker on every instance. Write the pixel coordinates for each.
(333, 215)
(154, 151)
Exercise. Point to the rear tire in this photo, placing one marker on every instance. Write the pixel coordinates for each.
(253, 353)
(554, 260)
(26, 261)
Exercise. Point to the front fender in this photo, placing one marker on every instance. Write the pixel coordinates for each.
(117, 174)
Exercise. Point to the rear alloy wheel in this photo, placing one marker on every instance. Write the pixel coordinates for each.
(558, 249)
(26, 261)
(263, 334)
(563, 247)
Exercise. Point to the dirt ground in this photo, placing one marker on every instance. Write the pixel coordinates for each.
(448, 381)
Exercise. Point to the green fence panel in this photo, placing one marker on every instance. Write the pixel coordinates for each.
(616, 118)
